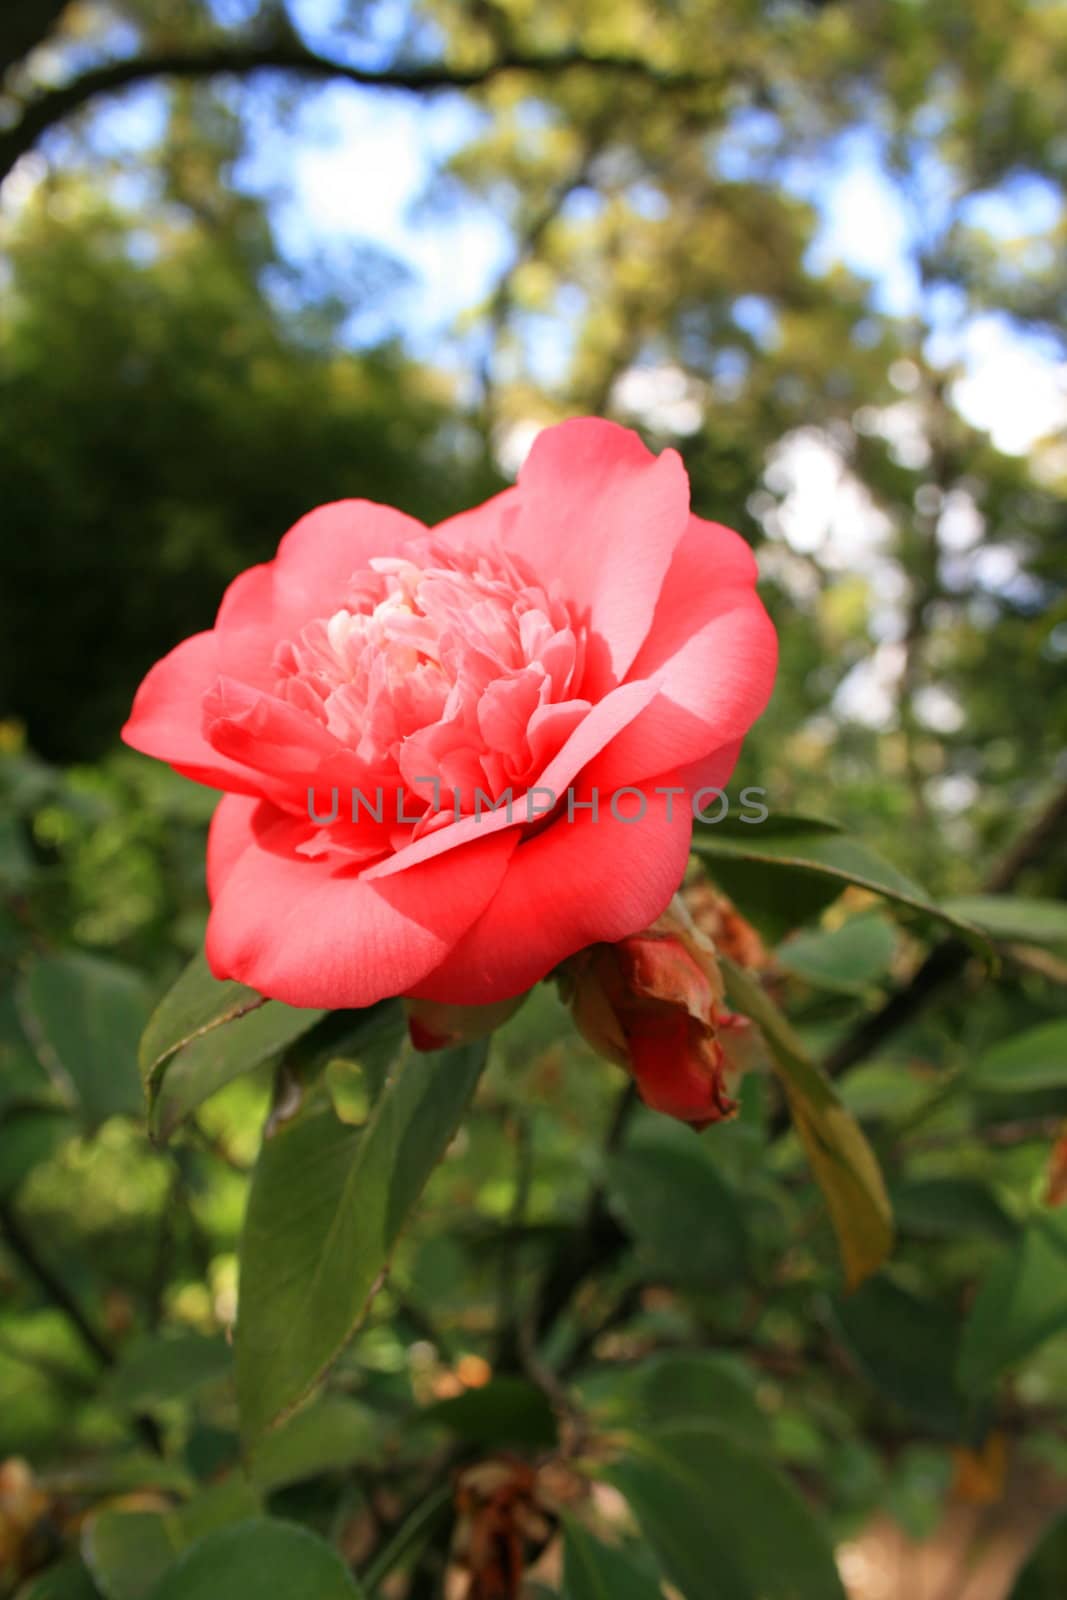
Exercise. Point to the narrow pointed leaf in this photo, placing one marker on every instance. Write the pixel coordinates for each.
(596, 1571)
(84, 1017)
(723, 1522)
(205, 1033)
(261, 1558)
(843, 1162)
(328, 1202)
(835, 860)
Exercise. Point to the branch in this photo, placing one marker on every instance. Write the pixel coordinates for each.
(948, 959)
(289, 55)
(25, 1252)
(529, 240)
(598, 1241)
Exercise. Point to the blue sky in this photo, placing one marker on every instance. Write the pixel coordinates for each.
(359, 166)
(354, 168)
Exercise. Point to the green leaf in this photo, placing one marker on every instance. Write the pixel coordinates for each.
(847, 959)
(1021, 1303)
(85, 1016)
(797, 867)
(127, 1552)
(683, 1386)
(205, 1033)
(907, 1348)
(774, 825)
(1036, 1059)
(29, 1135)
(327, 1204)
(844, 1164)
(261, 1558)
(951, 1208)
(595, 1571)
(1009, 916)
(23, 1079)
(69, 1580)
(723, 1522)
(702, 1387)
(685, 1219)
(157, 1368)
(1044, 1577)
(324, 1437)
(505, 1411)
(125, 1472)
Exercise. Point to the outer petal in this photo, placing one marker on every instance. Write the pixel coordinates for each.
(486, 527)
(316, 933)
(599, 519)
(575, 884)
(167, 716)
(228, 837)
(307, 578)
(320, 553)
(712, 650)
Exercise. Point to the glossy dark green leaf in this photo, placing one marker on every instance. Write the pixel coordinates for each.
(205, 1033)
(505, 1411)
(1035, 1059)
(907, 1348)
(685, 1219)
(326, 1436)
(1022, 1302)
(328, 1201)
(156, 1368)
(29, 1135)
(127, 1552)
(700, 1386)
(596, 1571)
(121, 1472)
(1014, 917)
(847, 959)
(261, 1558)
(68, 1580)
(741, 822)
(951, 1208)
(723, 1522)
(843, 1162)
(794, 862)
(85, 1017)
(23, 1079)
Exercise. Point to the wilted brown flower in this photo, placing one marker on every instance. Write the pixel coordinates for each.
(653, 1003)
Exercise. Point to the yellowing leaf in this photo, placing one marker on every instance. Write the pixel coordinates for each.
(845, 1167)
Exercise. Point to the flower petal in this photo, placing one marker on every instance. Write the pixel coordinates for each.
(712, 650)
(319, 554)
(167, 716)
(227, 838)
(577, 883)
(600, 518)
(314, 932)
(582, 747)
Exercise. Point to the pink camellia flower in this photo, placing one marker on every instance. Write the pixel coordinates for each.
(580, 651)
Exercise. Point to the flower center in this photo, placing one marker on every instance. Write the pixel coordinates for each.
(442, 664)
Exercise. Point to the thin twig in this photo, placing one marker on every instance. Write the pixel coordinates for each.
(29, 1258)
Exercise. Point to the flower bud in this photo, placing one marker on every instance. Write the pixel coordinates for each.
(653, 1004)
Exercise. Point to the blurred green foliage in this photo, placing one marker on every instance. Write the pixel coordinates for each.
(173, 395)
